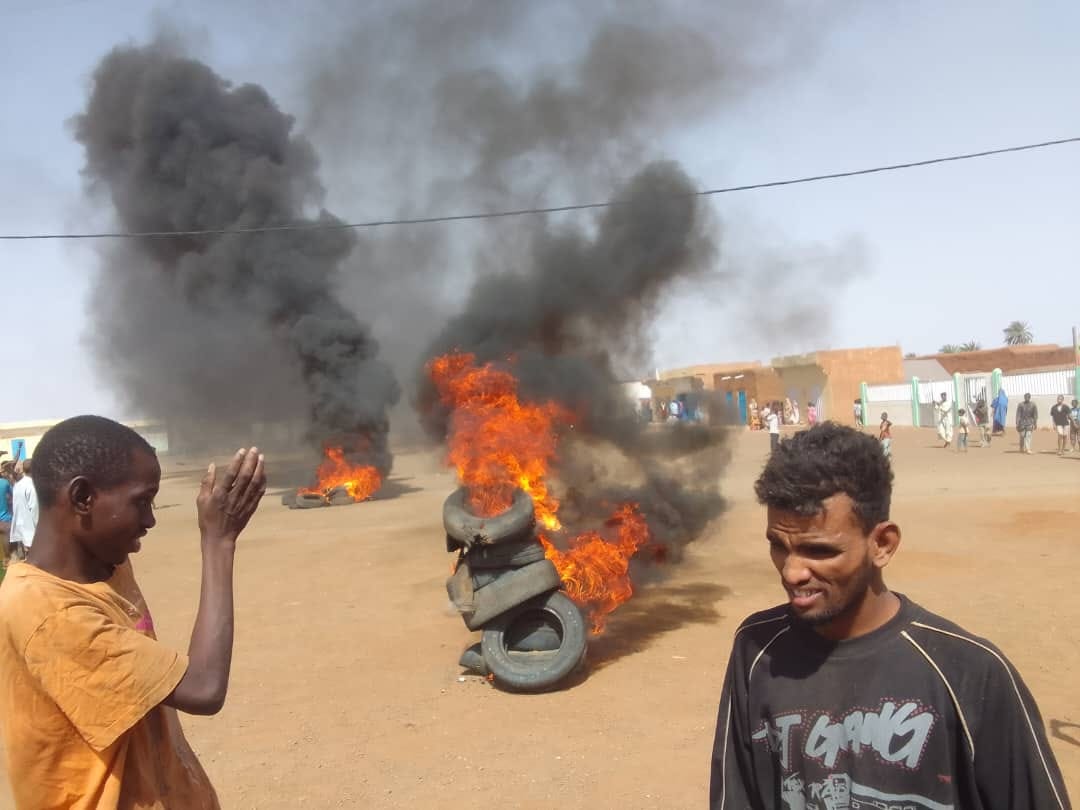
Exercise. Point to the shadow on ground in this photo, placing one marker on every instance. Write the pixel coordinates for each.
(1057, 732)
(651, 614)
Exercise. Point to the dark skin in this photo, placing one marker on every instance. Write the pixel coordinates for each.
(89, 530)
(831, 568)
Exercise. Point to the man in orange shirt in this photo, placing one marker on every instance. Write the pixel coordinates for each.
(88, 696)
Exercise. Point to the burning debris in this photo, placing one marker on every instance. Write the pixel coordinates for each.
(226, 330)
(337, 482)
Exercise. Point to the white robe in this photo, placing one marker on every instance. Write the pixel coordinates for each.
(943, 412)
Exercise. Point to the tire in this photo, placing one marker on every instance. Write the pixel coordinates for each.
(304, 501)
(469, 529)
(510, 589)
(535, 671)
(289, 499)
(340, 497)
(508, 554)
(472, 659)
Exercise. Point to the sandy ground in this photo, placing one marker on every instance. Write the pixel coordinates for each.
(346, 693)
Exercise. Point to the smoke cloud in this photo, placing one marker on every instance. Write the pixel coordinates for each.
(216, 332)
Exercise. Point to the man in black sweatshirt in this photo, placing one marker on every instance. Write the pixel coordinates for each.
(850, 695)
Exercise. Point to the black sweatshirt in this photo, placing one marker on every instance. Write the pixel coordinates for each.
(917, 715)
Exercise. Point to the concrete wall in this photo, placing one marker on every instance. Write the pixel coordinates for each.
(848, 369)
(31, 433)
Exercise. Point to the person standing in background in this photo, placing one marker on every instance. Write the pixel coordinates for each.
(773, 421)
(24, 510)
(1027, 421)
(1061, 416)
(962, 434)
(885, 435)
(1001, 411)
(982, 419)
(811, 414)
(943, 418)
(1074, 432)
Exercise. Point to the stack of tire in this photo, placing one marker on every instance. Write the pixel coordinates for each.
(533, 636)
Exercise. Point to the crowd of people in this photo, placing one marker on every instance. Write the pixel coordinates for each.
(990, 421)
(18, 509)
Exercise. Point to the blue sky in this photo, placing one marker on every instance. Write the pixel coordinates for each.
(929, 256)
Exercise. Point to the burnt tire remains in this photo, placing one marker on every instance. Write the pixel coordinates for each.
(534, 671)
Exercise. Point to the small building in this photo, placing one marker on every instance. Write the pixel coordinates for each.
(738, 387)
(832, 379)
(20, 439)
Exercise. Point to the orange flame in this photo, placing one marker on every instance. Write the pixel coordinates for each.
(596, 572)
(361, 482)
(498, 443)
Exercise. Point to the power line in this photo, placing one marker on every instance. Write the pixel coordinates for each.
(377, 223)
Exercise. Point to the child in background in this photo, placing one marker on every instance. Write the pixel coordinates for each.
(811, 414)
(962, 435)
(885, 435)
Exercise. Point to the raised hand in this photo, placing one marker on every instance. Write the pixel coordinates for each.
(226, 502)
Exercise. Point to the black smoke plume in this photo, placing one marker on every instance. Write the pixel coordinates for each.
(582, 301)
(215, 333)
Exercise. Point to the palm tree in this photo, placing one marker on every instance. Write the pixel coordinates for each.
(949, 348)
(971, 346)
(1017, 334)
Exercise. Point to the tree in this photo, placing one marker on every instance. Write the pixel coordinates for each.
(949, 348)
(970, 346)
(910, 356)
(1017, 334)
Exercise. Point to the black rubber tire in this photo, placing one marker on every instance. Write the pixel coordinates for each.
(533, 635)
(309, 501)
(340, 497)
(469, 529)
(289, 499)
(508, 554)
(534, 672)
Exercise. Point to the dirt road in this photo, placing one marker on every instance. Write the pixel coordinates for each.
(346, 693)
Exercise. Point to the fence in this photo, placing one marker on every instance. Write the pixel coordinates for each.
(913, 403)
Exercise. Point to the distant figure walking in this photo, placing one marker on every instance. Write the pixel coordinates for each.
(1061, 416)
(885, 435)
(858, 413)
(943, 418)
(1027, 421)
(24, 510)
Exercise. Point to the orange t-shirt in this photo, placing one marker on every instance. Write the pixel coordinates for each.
(82, 678)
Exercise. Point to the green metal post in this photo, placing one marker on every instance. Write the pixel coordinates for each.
(864, 395)
(915, 402)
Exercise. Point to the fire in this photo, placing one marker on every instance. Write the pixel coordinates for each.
(498, 443)
(361, 482)
(596, 572)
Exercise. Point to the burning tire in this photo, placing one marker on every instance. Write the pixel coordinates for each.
(468, 529)
(306, 500)
(340, 496)
(535, 671)
(509, 554)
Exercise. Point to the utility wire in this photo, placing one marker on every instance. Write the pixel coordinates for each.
(377, 223)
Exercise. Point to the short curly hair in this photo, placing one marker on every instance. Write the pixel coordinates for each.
(91, 446)
(823, 461)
